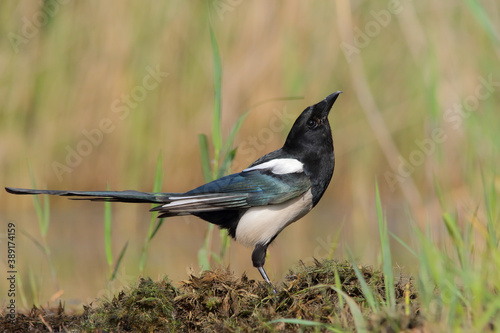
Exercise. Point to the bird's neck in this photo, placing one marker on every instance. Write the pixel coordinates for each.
(319, 163)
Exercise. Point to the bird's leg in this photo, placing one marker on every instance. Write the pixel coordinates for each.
(258, 259)
(264, 274)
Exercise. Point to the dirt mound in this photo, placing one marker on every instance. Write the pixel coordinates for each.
(219, 301)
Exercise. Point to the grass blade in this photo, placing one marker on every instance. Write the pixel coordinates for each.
(204, 251)
(367, 292)
(217, 111)
(43, 217)
(152, 227)
(156, 189)
(159, 174)
(107, 233)
(225, 242)
(335, 242)
(484, 20)
(338, 285)
(406, 246)
(46, 216)
(158, 225)
(22, 293)
(228, 152)
(118, 262)
(36, 242)
(287, 98)
(211, 172)
(205, 157)
(456, 237)
(359, 321)
(303, 322)
(226, 163)
(42, 213)
(386, 252)
(34, 288)
(489, 202)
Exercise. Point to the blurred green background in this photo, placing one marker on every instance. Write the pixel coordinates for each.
(93, 91)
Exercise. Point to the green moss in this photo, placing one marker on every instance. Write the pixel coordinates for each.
(148, 306)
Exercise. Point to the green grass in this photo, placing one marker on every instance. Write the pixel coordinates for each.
(154, 223)
(42, 209)
(112, 266)
(457, 283)
(211, 165)
(387, 265)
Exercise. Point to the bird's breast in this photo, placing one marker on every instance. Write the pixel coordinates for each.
(262, 224)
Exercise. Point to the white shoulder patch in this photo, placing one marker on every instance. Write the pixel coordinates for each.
(280, 166)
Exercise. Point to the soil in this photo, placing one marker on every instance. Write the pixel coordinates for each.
(218, 301)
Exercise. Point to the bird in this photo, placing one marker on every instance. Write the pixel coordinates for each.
(256, 204)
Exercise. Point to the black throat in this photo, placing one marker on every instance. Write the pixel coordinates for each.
(318, 158)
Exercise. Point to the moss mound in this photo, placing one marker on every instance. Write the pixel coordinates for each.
(219, 301)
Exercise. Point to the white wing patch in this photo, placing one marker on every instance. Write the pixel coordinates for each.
(280, 166)
(204, 202)
(261, 224)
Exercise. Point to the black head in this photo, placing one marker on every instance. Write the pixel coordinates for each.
(312, 130)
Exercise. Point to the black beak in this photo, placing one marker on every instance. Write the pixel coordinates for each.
(328, 103)
(322, 109)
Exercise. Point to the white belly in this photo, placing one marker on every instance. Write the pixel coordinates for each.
(261, 224)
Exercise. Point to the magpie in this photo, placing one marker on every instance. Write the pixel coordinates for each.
(256, 204)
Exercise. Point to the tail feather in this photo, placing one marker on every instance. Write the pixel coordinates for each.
(171, 204)
(118, 196)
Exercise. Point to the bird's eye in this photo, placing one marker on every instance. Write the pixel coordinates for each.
(311, 123)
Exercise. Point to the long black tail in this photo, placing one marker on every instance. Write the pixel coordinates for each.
(118, 196)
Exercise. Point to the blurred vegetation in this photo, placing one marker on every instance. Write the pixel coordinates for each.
(93, 91)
